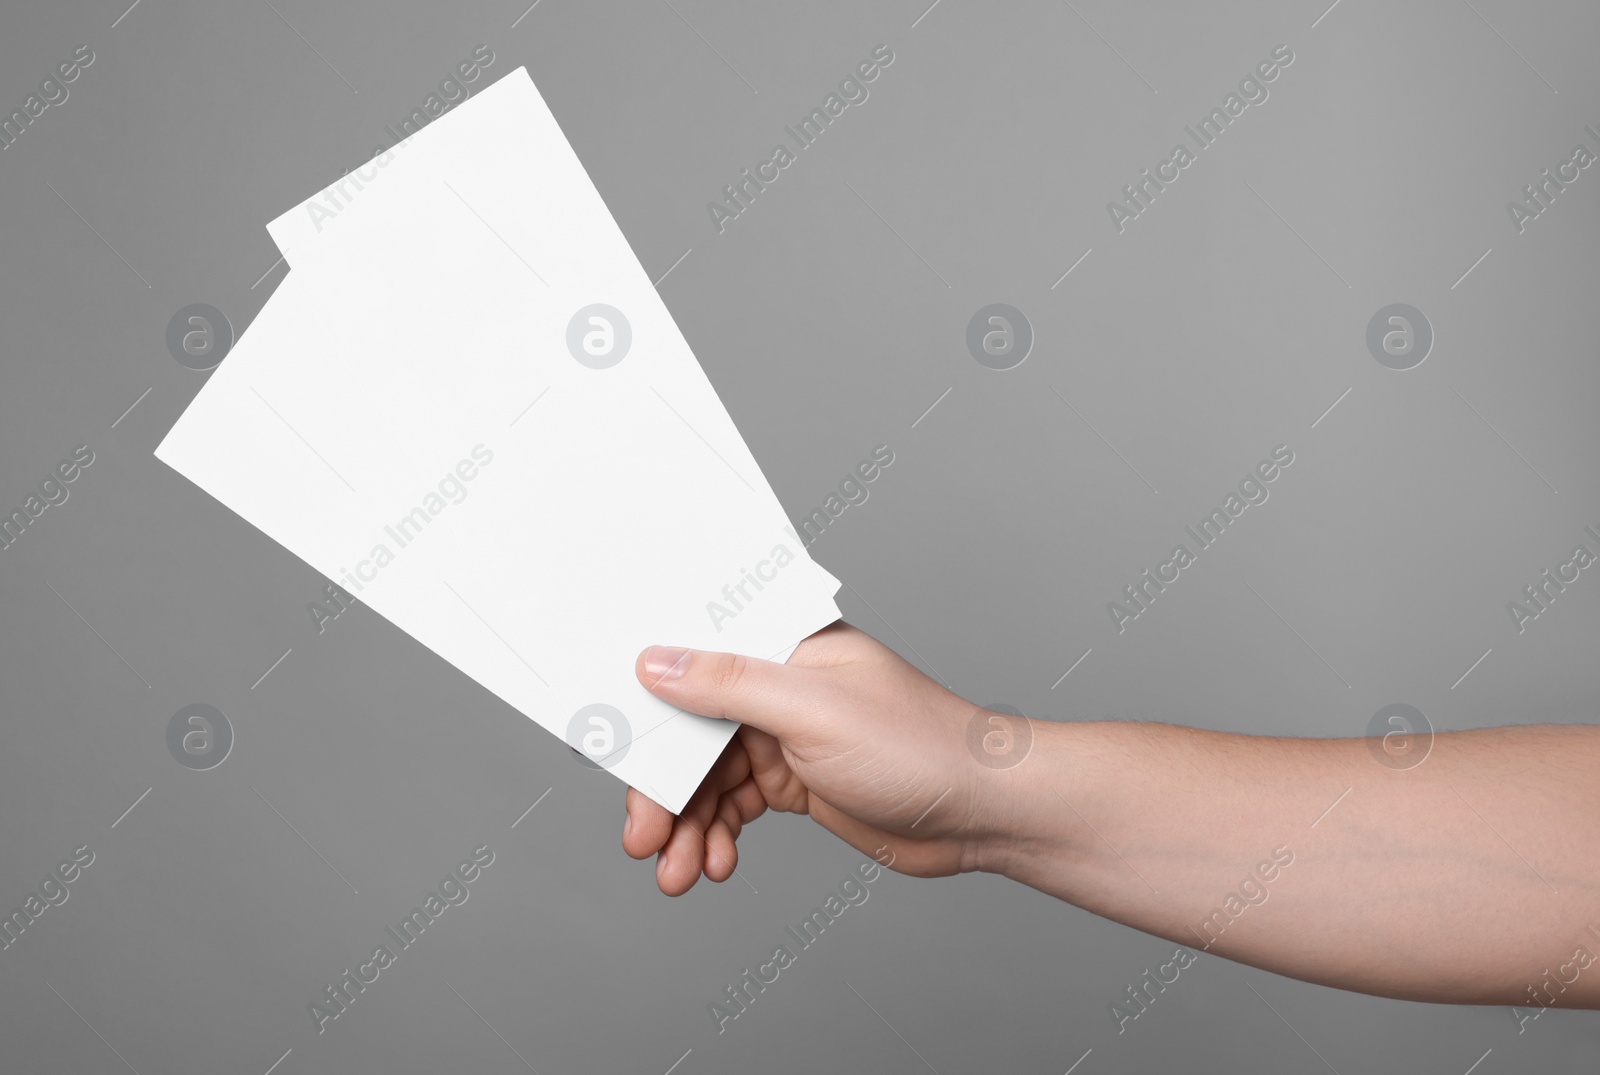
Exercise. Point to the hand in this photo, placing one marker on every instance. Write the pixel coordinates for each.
(846, 731)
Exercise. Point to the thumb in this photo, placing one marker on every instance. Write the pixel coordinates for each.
(763, 694)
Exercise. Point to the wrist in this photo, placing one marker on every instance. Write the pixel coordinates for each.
(1032, 810)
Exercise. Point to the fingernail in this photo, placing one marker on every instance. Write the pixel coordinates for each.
(627, 825)
(665, 662)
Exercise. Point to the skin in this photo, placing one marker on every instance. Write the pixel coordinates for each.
(1468, 878)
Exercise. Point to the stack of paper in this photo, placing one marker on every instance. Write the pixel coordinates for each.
(467, 405)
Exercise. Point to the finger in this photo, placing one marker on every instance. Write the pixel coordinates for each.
(730, 770)
(747, 800)
(737, 809)
(729, 816)
(770, 696)
(647, 827)
(683, 859)
(763, 749)
(650, 826)
(780, 787)
(722, 850)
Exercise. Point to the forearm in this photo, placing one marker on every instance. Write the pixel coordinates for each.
(1468, 878)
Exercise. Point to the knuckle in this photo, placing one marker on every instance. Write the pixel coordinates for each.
(728, 672)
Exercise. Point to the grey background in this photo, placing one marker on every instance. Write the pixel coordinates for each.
(831, 315)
